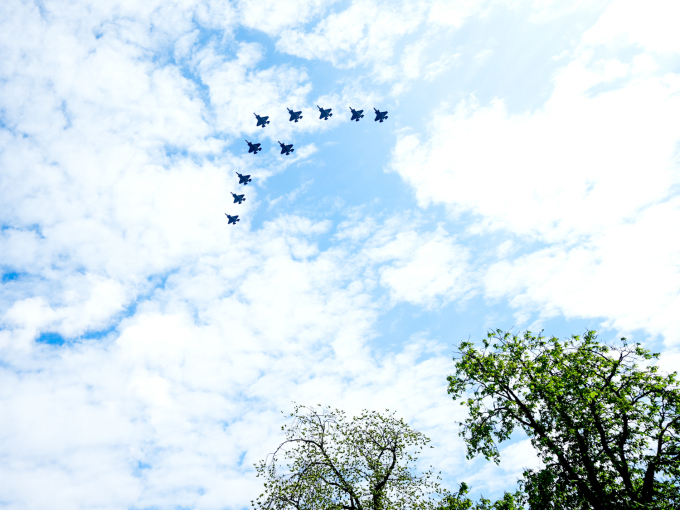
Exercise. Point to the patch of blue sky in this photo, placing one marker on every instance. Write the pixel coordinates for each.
(448, 324)
(471, 319)
(139, 469)
(101, 334)
(50, 338)
(241, 458)
(35, 227)
(58, 340)
(157, 281)
(348, 171)
(68, 117)
(11, 276)
(174, 153)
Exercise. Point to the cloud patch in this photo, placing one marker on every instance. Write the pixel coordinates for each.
(593, 175)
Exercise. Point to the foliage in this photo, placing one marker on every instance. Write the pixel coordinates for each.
(332, 463)
(602, 418)
(459, 501)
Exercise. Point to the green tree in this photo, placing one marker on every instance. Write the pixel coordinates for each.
(460, 501)
(331, 462)
(602, 418)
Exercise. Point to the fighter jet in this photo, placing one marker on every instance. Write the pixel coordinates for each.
(253, 147)
(294, 115)
(232, 219)
(238, 198)
(324, 113)
(356, 114)
(380, 115)
(286, 149)
(261, 121)
(243, 179)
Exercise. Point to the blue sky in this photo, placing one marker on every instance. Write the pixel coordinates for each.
(527, 177)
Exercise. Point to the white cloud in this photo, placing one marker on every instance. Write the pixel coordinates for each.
(398, 40)
(425, 268)
(626, 22)
(367, 33)
(88, 302)
(358, 227)
(628, 274)
(237, 91)
(504, 167)
(105, 156)
(193, 381)
(272, 16)
(544, 11)
(453, 14)
(592, 175)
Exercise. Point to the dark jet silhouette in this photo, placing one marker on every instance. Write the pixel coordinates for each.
(232, 219)
(294, 115)
(286, 149)
(243, 179)
(238, 198)
(324, 113)
(253, 147)
(261, 121)
(380, 115)
(356, 114)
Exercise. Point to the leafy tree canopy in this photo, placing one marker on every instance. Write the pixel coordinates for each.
(602, 418)
(329, 461)
(459, 501)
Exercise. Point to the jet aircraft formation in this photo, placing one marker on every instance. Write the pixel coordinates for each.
(262, 121)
